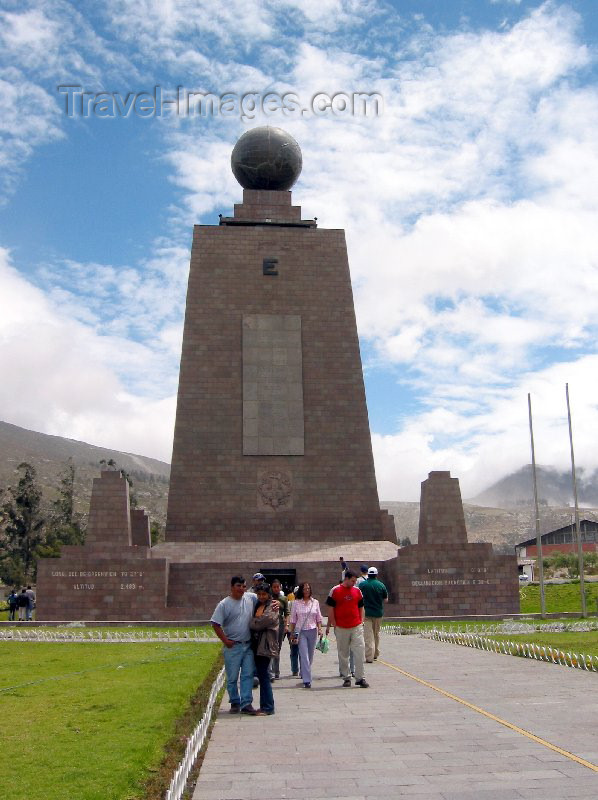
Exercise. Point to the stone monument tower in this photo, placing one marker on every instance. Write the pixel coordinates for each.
(272, 466)
(272, 440)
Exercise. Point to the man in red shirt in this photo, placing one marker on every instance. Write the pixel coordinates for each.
(346, 614)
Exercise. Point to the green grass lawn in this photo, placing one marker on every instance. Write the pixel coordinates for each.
(584, 643)
(559, 598)
(91, 721)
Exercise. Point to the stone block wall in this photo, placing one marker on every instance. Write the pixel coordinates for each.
(84, 586)
(441, 517)
(444, 575)
(216, 490)
(109, 510)
(470, 579)
(140, 528)
(201, 586)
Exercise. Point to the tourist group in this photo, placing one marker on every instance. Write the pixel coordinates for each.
(21, 603)
(253, 623)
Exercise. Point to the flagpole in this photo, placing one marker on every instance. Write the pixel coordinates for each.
(584, 612)
(537, 513)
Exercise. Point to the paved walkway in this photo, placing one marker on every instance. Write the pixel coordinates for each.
(400, 738)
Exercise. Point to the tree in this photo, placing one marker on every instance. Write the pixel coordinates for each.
(157, 532)
(65, 525)
(23, 526)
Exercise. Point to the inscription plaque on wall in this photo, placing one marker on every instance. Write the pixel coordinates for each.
(450, 576)
(95, 580)
(272, 385)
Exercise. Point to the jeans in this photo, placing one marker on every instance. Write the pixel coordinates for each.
(266, 694)
(307, 646)
(239, 659)
(294, 656)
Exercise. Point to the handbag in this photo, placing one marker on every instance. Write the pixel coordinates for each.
(323, 644)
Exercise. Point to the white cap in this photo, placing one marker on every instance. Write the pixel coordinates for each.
(372, 571)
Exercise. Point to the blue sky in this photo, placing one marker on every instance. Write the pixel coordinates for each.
(469, 203)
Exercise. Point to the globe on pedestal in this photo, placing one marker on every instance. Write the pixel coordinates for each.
(266, 158)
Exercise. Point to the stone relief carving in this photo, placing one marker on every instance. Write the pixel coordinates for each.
(274, 490)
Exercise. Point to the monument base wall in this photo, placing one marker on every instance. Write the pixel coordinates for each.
(175, 581)
(464, 579)
(123, 584)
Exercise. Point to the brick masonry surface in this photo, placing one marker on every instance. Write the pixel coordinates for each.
(113, 576)
(443, 574)
(215, 492)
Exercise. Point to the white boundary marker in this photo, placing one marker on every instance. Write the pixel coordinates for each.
(522, 649)
(194, 744)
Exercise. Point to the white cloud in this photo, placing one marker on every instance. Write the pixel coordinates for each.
(480, 448)
(28, 119)
(61, 376)
(470, 210)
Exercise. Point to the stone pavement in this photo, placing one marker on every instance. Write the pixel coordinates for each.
(400, 738)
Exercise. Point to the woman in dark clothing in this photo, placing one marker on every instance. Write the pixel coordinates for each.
(264, 627)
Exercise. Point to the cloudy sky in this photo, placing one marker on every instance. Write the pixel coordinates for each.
(470, 204)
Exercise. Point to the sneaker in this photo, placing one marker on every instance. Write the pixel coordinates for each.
(295, 674)
(307, 685)
(368, 662)
(262, 713)
(250, 710)
(347, 682)
(234, 708)
(363, 684)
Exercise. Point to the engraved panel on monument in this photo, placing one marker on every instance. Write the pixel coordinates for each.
(272, 385)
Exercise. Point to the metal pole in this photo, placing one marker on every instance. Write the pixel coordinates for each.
(537, 513)
(584, 612)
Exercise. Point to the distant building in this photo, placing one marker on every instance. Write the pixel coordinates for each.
(563, 539)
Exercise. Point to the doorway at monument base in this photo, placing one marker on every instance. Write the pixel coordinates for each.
(200, 574)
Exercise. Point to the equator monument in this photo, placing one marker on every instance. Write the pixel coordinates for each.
(272, 465)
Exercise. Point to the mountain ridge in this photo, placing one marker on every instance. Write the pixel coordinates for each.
(502, 514)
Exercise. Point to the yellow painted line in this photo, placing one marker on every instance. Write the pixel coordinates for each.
(510, 725)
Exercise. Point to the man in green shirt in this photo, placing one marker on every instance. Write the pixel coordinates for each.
(374, 596)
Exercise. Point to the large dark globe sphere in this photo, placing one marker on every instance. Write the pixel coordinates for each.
(266, 158)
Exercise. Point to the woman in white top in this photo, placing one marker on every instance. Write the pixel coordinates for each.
(305, 626)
